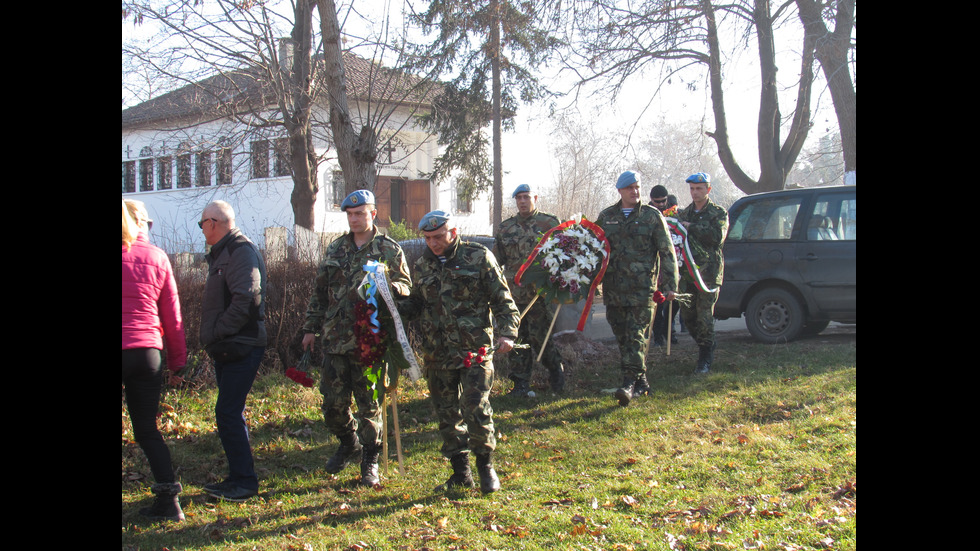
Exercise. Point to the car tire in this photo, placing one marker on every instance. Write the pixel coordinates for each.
(811, 328)
(774, 316)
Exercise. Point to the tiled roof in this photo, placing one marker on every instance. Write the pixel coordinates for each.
(241, 92)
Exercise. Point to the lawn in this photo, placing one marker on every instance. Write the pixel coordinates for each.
(758, 454)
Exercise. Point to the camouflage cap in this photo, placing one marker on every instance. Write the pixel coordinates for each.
(699, 178)
(358, 198)
(627, 179)
(523, 188)
(433, 220)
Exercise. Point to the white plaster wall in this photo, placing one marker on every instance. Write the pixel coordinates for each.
(265, 202)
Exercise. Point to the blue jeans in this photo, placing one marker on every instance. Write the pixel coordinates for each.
(234, 383)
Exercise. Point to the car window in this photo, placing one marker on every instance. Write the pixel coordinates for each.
(834, 218)
(770, 218)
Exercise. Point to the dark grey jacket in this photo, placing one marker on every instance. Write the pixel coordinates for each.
(234, 295)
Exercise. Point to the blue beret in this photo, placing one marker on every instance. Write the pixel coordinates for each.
(699, 178)
(627, 179)
(523, 188)
(433, 220)
(358, 198)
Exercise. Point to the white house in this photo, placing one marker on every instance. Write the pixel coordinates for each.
(178, 155)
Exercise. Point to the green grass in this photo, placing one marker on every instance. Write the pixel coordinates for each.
(759, 454)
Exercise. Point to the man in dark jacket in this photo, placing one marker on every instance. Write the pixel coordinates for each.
(233, 333)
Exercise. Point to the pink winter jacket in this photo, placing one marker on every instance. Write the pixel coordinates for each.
(150, 305)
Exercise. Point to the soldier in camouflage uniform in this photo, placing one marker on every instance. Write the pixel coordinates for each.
(331, 314)
(707, 227)
(516, 238)
(640, 251)
(457, 286)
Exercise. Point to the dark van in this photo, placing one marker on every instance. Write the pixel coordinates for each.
(791, 262)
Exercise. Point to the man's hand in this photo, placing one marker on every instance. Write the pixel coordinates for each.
(504, 345)
(670, 295)
(308, 340)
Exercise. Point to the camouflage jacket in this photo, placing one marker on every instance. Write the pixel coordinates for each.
(706, 235)
(331, 308)
(455, 301)
(514, 241)
(640, 248)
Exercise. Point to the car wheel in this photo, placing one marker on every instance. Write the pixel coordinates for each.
(814, 327)
(774, 316)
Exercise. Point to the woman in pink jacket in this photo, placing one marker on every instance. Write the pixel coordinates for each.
(151, 320)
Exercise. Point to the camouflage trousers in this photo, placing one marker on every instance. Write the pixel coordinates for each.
(342, 384)
(534, 327)
(630, 325)
(462, 402)
(699, 319)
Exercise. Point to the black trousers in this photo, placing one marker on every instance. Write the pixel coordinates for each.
(143, 380)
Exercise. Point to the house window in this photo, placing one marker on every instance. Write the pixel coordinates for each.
(260, 159)
(129, 176)
(224, 167)
(339, 188)
(184, 170)
(464, 204)
(165, 173)
(146, 169)
(203, 174)
(282, 157)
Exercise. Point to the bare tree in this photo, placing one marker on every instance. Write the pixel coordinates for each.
(258, 68)
(667, 153)
(834, 50)
(619, 41)
(588, 161)
(234, 63)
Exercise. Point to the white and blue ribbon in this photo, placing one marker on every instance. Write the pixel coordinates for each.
(376, 274)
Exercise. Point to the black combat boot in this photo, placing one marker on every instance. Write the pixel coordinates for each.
(462, 475)
(521, 388)
(165, 504)
(557, 377)
(705, 355)
(349, 447)
(642, 386)
(369, 466)
(625, 394)
(488, 477)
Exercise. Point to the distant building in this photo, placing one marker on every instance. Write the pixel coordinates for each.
(188, 147)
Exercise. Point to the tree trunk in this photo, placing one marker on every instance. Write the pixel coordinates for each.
(297, 117)
(831, 51)
(498, 195)
(356, 152)
(775, 159)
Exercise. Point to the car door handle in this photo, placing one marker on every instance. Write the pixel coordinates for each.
(810, 256)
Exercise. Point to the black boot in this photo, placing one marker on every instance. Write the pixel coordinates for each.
(488, 477)
(165, 504)
(521, 388)
(462, 475)
(705, 355)
(642, 386)
(369, 466)
(349, 447)
(625, 394)
(557, 377)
